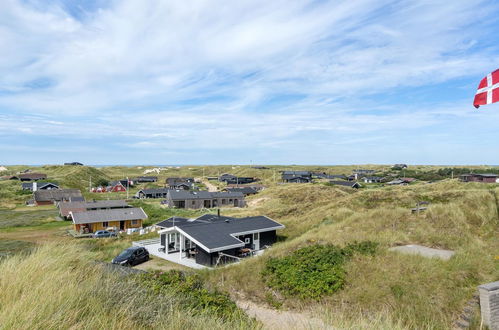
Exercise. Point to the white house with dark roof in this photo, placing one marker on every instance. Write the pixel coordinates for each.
(211, 239)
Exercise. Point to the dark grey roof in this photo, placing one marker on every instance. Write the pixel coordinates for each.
(56, 195)
(133, 213)
(154, 191)
(42, 185)
(345, 183)
(98, 204)
(297, 173)
(295, 177)
(216, 233)
(183, 194)
(244, 190)
(373, 178)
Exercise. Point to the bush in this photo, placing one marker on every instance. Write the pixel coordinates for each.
(195, 296)
(313, 271)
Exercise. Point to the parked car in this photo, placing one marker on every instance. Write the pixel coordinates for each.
(132, 256)
(104, 233)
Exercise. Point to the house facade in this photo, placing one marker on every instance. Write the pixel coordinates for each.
(213, 240)
(484, 178)
(233, 179)
(120, 219)
(203, 199)
(152, 193)
(246, 191)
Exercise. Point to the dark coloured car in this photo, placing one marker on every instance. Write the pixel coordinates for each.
(104, 233)
(132, 256)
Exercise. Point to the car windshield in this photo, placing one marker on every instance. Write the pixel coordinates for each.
(126, 253)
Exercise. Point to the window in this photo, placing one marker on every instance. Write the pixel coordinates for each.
(134, 222)
(105, 224)
(247, 240)
(256, 236)
(193, 202)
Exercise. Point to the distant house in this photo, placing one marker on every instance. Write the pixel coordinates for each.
(350, 184)
(29, 176)
(484, 178)
(229, 178)
(182, 186)
(34, 186)
(372, 179)
(173, 181)
(145, 179)
(152, 193)
(245, 190)
(401, 181)
(363, 172)
(399, 166)
(65, 208)
(48, 197)
(203, 199)
(319, 175)
(336, 177)
(260, 167)
(120, 218)
(74, 164)
(296, 176)
(255, 186)
(212, 240)
(116, 186)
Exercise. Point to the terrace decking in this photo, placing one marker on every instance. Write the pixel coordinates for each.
(153, 246)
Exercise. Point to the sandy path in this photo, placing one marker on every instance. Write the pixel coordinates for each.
(273, 319)
(211, 187)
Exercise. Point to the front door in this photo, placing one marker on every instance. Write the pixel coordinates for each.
(122, 225)
(256, 241)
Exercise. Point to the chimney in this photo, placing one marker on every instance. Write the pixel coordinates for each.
(34, 186)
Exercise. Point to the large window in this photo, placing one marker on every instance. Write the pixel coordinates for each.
(105, 224)
(134, 222)
(256, 236)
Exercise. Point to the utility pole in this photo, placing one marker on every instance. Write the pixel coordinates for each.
(90, 184)
(127, 187)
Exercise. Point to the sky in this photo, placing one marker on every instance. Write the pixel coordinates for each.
(247, 82)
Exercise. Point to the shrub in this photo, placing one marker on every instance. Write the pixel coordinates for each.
(313, 271)
(195, 295)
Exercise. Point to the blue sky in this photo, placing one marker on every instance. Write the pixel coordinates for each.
(241, 82)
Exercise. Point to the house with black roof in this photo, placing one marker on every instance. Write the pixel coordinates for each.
(145, 179)
(245, 190)
(296, 176)
(34, 186)
(372, 179)
(213, 240)
(73, 164)
(48, 197)
(349, 184)
(479, 177)
(152, 193)
(233, 179)
(203, 199)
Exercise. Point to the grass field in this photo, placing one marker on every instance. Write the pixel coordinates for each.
(386, 290)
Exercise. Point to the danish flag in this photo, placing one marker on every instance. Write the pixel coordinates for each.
(488, 90)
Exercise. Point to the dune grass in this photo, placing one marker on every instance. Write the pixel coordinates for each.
(407, 291)
(60, 288)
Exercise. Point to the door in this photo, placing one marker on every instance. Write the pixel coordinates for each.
(122, 225)
(256, 241)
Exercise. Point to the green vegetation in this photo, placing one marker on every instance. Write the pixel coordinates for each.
(194, 295)
(312, 271)
(388, 290)
(73, 292)
(10, 247)
(156, 213)
(32, 217)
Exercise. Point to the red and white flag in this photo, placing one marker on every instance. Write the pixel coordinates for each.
(488, 90)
